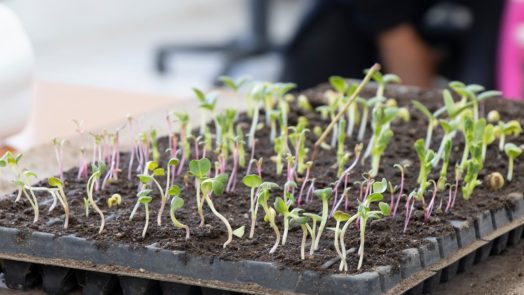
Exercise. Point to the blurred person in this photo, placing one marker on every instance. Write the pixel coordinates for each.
(418, 40)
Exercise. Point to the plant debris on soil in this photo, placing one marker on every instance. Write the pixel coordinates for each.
(385, 239)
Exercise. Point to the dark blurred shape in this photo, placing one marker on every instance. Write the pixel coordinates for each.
(254, 43)
(342, 37)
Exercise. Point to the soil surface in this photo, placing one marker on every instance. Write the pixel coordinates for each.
(384, 238)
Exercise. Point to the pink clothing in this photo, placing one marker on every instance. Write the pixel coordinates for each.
(511, 51)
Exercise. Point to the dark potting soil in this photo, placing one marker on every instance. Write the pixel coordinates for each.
(384, 238)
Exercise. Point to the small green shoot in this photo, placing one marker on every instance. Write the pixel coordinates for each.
(513, 152)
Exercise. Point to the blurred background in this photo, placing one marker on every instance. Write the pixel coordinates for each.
(112, 43)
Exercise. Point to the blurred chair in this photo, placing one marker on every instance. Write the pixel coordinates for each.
(254, 43)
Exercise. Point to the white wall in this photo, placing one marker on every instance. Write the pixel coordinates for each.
(50, 22)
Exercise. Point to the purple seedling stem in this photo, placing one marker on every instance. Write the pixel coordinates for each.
(196, 143)
(59, 153)
(83, 172)
(251, 158)
(259, 166)
(401, 190)
(303, 186)
(232, 179)
(410, 202)
(310, 191)
(131, 160)
(429, 208)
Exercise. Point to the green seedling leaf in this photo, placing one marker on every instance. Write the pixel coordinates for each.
(422, 108)
(145, 179)
(267, 186)
(488, 94)
(338, 83)
(375, 197)
(207, 186)
(200, 168)
(29, 174)
(341, 216)
(475, 88)
(324, 194)
(199, 94)
(18, 157)
(391, 78)
(384, 208)
(151, 165)
(174, 190)
(512, 128)
(145, 200)
(252, 181)
(512, 150)
(159, 172)
(177, 203)
(144, 193)
(173, 162)
(239, 232)
(314, 217)
(380, 186)
(281, 206)
(55, 182)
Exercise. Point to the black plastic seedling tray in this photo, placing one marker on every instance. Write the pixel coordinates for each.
(150, 270)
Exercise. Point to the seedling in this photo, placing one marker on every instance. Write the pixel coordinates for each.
(473, 165)
(487, 138)
(270, 213)
(364, 213)
(59, 153)
(425, 157)
(381, 120)
(95, 176)
(324, 195)
(410, 207)
(303, 103)
(258, 93)
(60, 194)
(312, 229)
(401, 188)
(473, 93)
(445, 163)
(150, 172)
(185, 130)
(199, 169)
(340, 217)
(505, 129)
(473, 136)
(432, 121)
(112, 172)
(513, 152)
(145, 200)
(216, 186)
(379, 146)
(429, 209)
(253, 182)
(366, 105)
(302, 222)
(177, 203)
(283, 208)
(207, 103)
